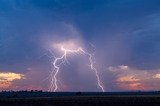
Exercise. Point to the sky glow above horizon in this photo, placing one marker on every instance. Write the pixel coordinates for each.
(125, 34)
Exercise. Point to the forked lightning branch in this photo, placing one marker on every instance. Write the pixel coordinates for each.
(57, 62)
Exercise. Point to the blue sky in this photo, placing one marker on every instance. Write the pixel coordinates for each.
(125, 33)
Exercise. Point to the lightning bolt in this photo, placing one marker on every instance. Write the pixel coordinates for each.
(58, 61)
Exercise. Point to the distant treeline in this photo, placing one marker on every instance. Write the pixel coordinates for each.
(40, 93)
(11, 91)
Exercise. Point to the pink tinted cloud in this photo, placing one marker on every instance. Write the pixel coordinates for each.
(128, 78)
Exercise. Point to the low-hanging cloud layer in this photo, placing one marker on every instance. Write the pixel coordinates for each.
(7, 78)
(127, 78)
(125, 33)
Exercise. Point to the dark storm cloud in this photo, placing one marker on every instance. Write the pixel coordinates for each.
(124, 33)
(128, 29)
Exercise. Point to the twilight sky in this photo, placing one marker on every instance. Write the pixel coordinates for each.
(125, 33)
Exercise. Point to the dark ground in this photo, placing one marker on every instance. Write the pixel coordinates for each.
(80, 99)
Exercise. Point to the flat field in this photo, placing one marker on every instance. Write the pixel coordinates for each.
(84, 100)
(79, 99)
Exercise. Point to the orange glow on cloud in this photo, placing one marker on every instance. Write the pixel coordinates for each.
(129, 82)
(129, 78)
(135, 85)
(5, 84)
(6, 79)
(157, 76)
(131, 86)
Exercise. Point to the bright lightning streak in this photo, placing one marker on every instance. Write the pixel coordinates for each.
(63, 59)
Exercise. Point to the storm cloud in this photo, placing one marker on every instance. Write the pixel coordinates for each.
(125, 33)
